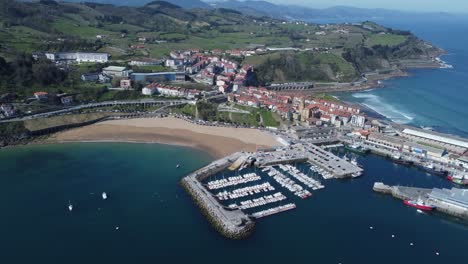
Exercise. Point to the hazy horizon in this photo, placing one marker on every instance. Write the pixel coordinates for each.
(453, 6)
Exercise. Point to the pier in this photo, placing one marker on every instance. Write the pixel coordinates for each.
(453, 201)
(267, 199)
(246, 191)
(232, 223)
(231, 220)
(331, 164)
(275, 210)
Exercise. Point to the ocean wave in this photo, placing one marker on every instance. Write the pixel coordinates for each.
(391, 112)
(444, 64)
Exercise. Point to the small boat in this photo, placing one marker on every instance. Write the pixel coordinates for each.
(70, 206)
(419, 204)
(356, 148)
(458, 179)
(104, 195)
(177, 166)
(427, 128)
(398, 160)
(429, 167)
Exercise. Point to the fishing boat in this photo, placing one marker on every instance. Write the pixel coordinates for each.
(70, 206)
(357, 148)
(458, 179)
(429, 167)
(355, 162)
(398, 160)
(104, 195)
(419, 204)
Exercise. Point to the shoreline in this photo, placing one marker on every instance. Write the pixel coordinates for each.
(216, 141)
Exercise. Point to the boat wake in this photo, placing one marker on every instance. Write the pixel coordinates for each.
(376, 104)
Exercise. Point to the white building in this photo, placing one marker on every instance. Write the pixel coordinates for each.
(149, 90)
(116, 71)
(78, 57)
(358, 120)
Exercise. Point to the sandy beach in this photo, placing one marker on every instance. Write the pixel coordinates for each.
(218, 141)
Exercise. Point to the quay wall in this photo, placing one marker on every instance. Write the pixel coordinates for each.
(233, 224)
(450, 209)
(404, 193)
(286, 161)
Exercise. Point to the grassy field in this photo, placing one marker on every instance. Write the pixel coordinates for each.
(37, 124)
(385, 40)
(259, 59)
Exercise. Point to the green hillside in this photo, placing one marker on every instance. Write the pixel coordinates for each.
(334, 52)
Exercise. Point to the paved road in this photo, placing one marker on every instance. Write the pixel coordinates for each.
(97, 105)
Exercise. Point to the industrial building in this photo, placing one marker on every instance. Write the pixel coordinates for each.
(158, 77)
(435, 139)
(78, 57)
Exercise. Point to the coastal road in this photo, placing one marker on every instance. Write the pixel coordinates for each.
(98, 105)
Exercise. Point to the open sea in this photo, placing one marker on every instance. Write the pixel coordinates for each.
(436, 98)
(147, 217)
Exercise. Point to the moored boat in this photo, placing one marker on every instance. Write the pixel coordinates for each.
(356, 148)
(419, 204)
(458, 179)
(429, 167)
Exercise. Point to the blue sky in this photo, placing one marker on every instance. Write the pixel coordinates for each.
(458, 6)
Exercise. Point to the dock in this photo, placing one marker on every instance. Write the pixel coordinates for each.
(333, 165)
(231, 220)
(402, 192)
(452, 202)
(232, 223)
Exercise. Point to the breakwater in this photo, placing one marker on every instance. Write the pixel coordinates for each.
(231, 223)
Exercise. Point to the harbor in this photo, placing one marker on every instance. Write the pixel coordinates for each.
(453, 202)
(234, 191)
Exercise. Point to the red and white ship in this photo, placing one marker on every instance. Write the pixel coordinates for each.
(419, 204)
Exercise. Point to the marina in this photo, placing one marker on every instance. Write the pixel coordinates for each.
(233, 181)
(246, 191)
(297, 174)
(287, 183)
(267, 199)
(219, 187)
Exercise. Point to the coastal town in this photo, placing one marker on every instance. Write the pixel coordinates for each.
(308, 130)
(304, 134)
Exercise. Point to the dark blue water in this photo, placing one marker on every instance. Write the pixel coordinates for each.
(437, 97)
(158, 223)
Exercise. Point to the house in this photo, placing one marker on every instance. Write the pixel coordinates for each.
(116, 71)
(41, 95)
(126, 84)
(66, 100)
(8, 110)
(149, 90)
(90, 77)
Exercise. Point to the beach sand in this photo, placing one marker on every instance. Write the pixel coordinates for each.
(218, 141)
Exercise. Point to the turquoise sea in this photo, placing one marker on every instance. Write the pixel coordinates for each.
(158, 223)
